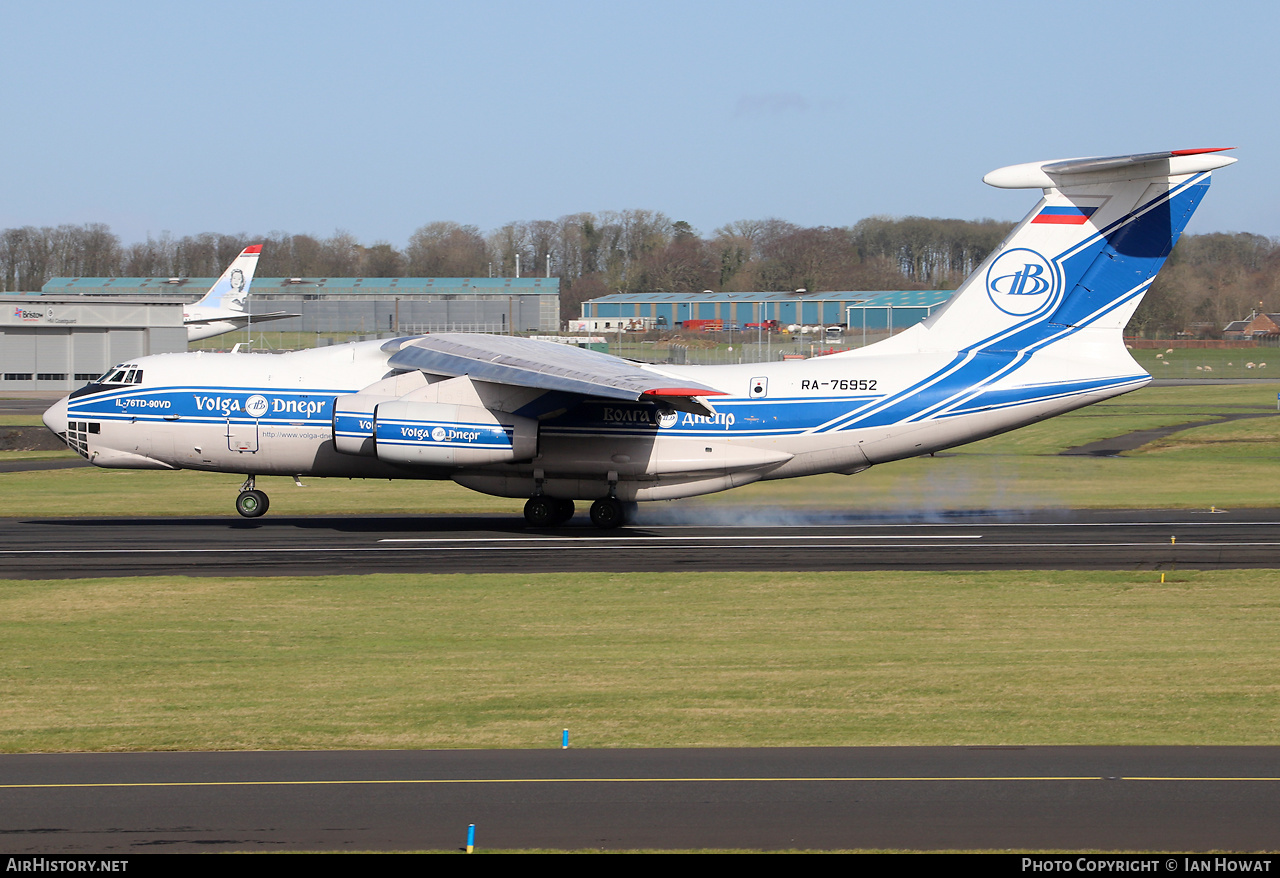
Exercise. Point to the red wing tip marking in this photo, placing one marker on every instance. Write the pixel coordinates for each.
(684, 391)
(256, 248)
(1201, 151)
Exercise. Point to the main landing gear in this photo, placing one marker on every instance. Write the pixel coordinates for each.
(251, 502)
(542, 511)
(606, 513)
(610, 512)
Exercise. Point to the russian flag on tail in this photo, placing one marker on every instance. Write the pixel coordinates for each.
(1064, 216)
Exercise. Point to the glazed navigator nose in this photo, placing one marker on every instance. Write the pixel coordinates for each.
(55, 418)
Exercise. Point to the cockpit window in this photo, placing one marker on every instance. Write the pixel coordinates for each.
(124, 375)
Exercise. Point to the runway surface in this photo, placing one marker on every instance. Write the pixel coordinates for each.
(1069, 798)
(30, 466)
(1147, 540)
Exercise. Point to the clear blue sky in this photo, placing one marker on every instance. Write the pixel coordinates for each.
(378, 117)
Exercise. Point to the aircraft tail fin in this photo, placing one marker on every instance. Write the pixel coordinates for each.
(1082, 258)
(231, 289)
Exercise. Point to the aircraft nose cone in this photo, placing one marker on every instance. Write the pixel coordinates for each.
(55, 418)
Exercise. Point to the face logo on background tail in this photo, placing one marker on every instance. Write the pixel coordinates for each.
(1021, 282)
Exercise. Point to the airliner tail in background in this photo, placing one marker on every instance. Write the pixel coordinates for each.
(225, 307)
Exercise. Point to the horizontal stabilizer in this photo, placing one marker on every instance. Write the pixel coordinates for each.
(241, 321)
(1060, 173)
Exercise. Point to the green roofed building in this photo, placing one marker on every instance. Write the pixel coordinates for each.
(364, 304)
(876, 311)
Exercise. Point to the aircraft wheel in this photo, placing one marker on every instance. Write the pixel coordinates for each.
(251, 504)
(540, 511)
(606, 513)
(564, 511)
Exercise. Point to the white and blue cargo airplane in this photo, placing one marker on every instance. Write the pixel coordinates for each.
(224, 307)
(1034, 332)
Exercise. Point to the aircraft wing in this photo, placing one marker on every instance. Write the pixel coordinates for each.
(527, 362)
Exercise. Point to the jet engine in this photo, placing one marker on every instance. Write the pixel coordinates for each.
(432, 433)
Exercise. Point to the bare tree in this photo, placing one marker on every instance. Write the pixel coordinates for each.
(383, 260)
(447, 249)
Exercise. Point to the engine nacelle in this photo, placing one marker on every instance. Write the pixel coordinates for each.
(353, 422)
(440, 434)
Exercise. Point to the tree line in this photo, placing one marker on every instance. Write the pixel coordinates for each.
(1209, 280)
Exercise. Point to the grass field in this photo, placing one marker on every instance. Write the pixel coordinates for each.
(1227, 464)
(21, 420)
(1209, 363)
(643, 660)
(632, 660)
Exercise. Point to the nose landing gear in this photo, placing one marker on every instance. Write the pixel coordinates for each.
(251, 502)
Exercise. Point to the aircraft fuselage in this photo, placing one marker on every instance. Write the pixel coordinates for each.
(277, 414)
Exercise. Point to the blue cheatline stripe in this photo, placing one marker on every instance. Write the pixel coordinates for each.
(789, 417)
(1005, 398)
(418, 434)
(993, 399)
(214, 404)
(918, 390)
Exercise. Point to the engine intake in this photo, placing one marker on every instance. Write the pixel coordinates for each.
(353, 422)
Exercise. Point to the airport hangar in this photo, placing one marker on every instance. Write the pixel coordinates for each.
(872, 312)
(59, 342)
(78, 327)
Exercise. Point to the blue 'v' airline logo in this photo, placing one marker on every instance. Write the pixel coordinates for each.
(1022, 283)
(1029, 281)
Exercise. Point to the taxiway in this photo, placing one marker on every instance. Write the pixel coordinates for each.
(921, 798)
